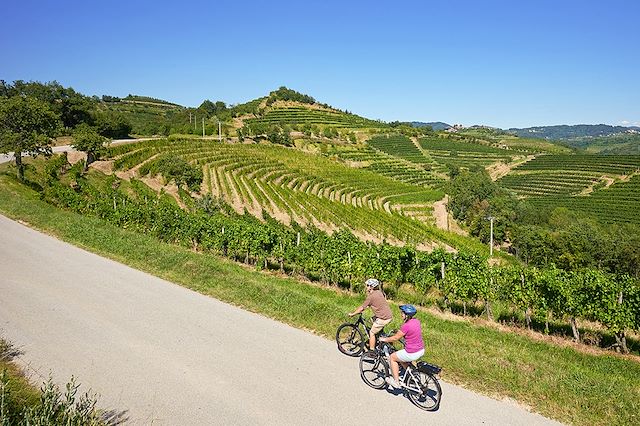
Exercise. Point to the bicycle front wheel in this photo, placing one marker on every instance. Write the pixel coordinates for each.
(350, 339)
(424, 390)
(374, 369)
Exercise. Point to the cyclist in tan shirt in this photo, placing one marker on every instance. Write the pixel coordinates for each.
(381, 310)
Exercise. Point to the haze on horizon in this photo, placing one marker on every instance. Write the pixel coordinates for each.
(495, 63)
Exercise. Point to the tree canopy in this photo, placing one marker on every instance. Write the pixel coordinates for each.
(27, 125)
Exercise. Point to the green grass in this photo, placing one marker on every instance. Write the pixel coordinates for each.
(20, 392)
(558, 382)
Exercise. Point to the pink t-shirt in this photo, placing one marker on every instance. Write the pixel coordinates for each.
(412, 336)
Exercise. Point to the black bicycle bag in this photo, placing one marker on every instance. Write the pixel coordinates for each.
(429, 368)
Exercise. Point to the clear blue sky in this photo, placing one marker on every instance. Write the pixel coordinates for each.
(499, 63)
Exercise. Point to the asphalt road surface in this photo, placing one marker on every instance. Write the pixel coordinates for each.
(66, 148)
(157, 353)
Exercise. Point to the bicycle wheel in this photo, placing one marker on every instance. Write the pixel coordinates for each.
(428, 398)
(350, 339)
(374, 369)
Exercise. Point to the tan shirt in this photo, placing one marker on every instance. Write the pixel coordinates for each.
(379, 305)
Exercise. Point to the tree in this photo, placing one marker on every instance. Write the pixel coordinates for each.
(27, 125)
(73, 108)
(87, 139)
(114, 126)
(180, 171)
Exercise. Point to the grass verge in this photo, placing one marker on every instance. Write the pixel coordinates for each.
(558, 382)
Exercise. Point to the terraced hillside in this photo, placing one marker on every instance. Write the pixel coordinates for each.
(402, 147)
(452, 152)
(549, 182)
(619, 203)
(307, 115)
(293, 186)
(604, 186)
(377, 161)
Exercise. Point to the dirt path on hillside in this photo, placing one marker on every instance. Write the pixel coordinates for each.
(608, 181)
(500, 169)
(443, 218)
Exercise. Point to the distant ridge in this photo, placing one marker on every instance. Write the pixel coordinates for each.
(436, 125)
(563, 132)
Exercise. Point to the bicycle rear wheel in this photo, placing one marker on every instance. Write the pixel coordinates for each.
(350, 340)
(374, 369)
(430, 391)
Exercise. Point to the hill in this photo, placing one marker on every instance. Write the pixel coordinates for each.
(563, 132)
(435, 125)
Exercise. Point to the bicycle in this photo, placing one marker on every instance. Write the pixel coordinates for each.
(353, 337)
(418, 381)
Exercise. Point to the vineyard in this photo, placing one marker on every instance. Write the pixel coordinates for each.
(403, 147)
(292, 186)
(379, 162)
(603, 186)
(302, 115)
(549, 183)
(599, 164)
(342, 259)
(619, 203)
(456, 153)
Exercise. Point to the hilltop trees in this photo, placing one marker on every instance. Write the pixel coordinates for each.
(285, 94)
(27, 125)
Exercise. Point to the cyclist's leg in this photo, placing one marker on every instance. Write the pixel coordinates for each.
(406, 358)
(395, 369)
(376, 328)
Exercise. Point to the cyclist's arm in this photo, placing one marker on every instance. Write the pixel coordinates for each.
(399, 335)
(357, 311)
(362, 307)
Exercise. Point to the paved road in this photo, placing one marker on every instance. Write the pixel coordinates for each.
(165, 355)
(65, 148)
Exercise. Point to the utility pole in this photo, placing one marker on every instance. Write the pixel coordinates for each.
(195, 122)
(219, 132)
(491, 237)
(203, 127)
(189, 117)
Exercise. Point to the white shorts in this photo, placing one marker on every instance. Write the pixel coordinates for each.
(404, 356)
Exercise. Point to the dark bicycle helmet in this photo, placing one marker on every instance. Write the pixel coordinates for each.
(408, 310)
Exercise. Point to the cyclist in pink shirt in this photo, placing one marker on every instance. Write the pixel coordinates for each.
(413, 343)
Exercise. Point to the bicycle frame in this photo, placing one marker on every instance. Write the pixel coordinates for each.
(405, 378)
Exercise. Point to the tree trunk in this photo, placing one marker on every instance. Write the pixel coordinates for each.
(487, 308)
(622, 342)
(527, 317)
(90, 159)
(19, 165)
(546, 323)
(574, 328)
(464, 308)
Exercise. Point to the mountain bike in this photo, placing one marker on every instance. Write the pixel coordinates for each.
(353, 337)
(418, 381)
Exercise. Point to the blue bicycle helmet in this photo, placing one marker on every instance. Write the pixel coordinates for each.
(408, 310)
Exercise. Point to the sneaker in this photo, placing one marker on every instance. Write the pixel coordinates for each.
(391, 382)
